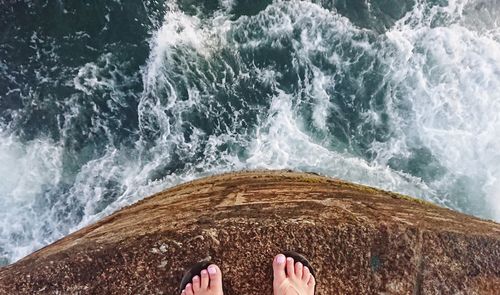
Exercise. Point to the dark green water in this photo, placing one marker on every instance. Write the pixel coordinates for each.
(105, 102)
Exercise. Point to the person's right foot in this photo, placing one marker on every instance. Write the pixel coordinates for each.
(291, 278)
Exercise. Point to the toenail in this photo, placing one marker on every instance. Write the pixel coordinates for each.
(195, 278)
(204, 273)
(281, 259)
(212, 270)
(289, 259)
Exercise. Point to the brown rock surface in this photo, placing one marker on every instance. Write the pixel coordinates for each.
(359, 239)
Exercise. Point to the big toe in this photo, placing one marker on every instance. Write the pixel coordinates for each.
(279, 263)
(215, 275)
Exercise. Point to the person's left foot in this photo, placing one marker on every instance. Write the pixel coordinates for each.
(209, 282)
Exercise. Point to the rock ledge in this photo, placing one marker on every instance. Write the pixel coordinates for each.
(361, 241)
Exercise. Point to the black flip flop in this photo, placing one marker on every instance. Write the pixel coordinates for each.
(194, 270)
(300, 258)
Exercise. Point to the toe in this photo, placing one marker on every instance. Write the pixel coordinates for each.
(215, 278)
(305, 274)
(196, 284)
(183, 292)
(189, 289)
(312, 281)
(290, 267)
(279, 263)
(204, 279)
(298, 269)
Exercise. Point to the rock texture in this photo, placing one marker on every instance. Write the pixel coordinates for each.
(360, 240)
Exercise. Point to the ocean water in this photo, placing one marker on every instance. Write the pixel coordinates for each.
(103, 103)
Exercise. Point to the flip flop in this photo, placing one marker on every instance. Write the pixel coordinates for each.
(300, 258)
(194, 270)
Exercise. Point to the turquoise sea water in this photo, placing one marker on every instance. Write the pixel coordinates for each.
(105, 102)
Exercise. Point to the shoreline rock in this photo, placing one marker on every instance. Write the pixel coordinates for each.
(360, 240)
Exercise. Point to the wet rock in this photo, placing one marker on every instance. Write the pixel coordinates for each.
(359, 239)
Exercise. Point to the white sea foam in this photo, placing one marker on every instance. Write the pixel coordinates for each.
(26, 172)
(450, 77)
(282, 140)
(282, 144)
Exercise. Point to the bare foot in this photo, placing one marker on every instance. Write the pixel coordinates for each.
(209, 282)
(296, 280)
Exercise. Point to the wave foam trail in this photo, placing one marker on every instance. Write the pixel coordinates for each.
(275, 141)
(28, 171)
(448, 81)
(281, 144)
